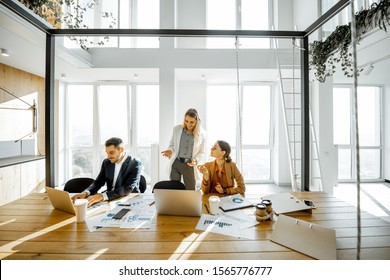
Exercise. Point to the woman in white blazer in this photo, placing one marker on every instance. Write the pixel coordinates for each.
(186, 149)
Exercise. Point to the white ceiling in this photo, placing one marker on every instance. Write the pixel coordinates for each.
(26, 46)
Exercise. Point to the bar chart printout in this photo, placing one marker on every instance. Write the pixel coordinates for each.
(219, 224)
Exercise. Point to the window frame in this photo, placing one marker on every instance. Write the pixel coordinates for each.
(97, 147)
(270, 146)
(352, 145)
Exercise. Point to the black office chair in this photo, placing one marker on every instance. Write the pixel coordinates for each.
(142, 184)
(169, 185)
(78, 185)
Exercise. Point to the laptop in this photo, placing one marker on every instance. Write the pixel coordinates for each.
(61, 200)
(178, 202)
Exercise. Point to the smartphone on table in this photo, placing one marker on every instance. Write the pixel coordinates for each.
(309, 203)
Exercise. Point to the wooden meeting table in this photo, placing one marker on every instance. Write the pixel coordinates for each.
(31, 229)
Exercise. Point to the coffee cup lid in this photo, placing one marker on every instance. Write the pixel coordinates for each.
(80, 201)
(260, 206)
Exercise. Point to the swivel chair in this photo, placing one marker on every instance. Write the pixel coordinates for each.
(171, 185)
(78, 185)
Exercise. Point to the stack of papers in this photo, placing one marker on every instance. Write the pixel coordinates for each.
(141, 215)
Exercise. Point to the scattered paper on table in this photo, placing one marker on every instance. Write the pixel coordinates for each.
(219, 224)
(138, 220)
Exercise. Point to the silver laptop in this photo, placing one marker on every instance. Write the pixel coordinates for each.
(178, 202)
(61, 200)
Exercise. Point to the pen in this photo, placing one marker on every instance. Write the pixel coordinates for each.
(151, 203)
(208, 212)
(122, 204)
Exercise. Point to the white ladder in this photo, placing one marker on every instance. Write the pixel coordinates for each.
(290, 90)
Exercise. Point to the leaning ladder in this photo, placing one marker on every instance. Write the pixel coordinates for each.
(290, 90)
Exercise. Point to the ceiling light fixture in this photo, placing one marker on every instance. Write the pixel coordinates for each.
(203, 77)
(63, 76)
(369, 69)
(4, 52)
(135, 76)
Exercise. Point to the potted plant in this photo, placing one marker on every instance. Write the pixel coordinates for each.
(335, 49)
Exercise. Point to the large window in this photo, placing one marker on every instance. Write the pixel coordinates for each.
(238, 15)
(369, 120)
(126, 14)
(96, 112)
(79, 129)
(255, 140)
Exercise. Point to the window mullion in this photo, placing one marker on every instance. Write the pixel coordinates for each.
(238, 15)
(96, 131)
(66, 135)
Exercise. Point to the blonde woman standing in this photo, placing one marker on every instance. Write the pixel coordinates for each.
(186, 149)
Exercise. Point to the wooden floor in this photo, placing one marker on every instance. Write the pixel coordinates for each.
(31, 229)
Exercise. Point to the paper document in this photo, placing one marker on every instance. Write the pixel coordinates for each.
(141, 215)
(106, 220)
(138, 220)
(286, 203)
(219, 224)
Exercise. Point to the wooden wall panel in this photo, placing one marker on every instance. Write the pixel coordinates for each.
(9, 183)
(32, 176)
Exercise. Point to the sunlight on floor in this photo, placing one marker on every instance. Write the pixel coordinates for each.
(374, 198)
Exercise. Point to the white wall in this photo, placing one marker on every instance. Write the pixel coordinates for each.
(281, 165)
(322, 112)
(191, 94)
(308, 8)
(190, 15)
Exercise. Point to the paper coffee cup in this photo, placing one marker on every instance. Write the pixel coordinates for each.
(214, 204)
(261, 210)
(80, 207)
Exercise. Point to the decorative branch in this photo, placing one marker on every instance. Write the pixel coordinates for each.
(73, 17)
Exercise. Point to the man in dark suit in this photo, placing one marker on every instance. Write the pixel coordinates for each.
(119, 171)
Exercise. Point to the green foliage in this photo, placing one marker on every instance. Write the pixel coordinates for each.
(335, 49)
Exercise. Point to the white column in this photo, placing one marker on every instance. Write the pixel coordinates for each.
(322, 109)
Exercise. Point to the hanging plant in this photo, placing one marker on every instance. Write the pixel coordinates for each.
(324, 56)
(71, 14)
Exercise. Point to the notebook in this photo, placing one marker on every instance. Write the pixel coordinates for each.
(234, 202)
(287, 203)
(178, 202)
(61, 200)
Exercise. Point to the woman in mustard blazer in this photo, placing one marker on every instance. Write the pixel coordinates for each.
(221, 175)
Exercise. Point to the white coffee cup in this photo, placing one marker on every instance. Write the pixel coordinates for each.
(214, 204)
(80, 206)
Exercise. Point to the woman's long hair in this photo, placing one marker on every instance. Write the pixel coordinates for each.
(193, 114)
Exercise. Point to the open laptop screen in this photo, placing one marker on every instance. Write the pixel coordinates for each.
(178, 202)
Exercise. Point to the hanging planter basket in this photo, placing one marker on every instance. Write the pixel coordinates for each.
(324, 56)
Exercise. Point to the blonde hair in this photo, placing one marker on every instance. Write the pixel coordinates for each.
(193, 114)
